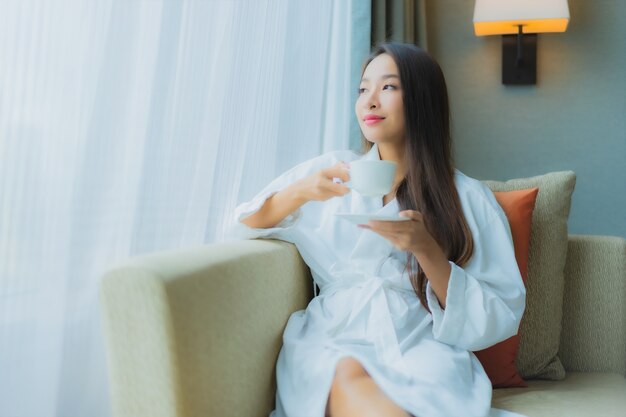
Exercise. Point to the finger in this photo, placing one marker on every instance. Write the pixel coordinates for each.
(388, 226)
(337, 171)
(343, 164)
(338, 189)
(384, 233)
(411, 214)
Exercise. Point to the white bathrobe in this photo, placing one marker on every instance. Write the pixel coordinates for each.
(367, 309)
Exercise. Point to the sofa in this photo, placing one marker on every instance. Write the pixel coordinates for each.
(196, 332)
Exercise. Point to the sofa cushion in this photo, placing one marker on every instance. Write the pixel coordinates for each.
(540, 328)
(499, 359)
(593, 337)
(578, 395)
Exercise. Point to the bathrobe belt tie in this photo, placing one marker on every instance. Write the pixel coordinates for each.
(372, 297)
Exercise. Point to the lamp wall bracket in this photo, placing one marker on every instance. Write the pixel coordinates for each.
(519, 58)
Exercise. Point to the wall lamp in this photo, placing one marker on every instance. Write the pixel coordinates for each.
(519, 21)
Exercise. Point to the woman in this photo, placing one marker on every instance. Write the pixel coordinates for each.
(402, 304)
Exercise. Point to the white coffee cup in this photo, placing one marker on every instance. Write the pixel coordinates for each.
(372, 178)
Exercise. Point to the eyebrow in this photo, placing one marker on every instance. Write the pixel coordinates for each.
(383, 77)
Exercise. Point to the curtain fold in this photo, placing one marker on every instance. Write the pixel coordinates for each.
(399, 20)
(128, 127)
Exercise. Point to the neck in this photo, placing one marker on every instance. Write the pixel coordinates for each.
(394, 153)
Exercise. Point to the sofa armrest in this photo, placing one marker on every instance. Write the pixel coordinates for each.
(593, 337)
(197, 332)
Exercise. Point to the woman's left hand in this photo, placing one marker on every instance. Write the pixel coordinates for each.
(409, 235)
(412, 236)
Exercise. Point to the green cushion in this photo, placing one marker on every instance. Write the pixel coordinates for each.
(540, 328)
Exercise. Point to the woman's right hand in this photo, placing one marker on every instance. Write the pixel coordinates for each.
(320, 186)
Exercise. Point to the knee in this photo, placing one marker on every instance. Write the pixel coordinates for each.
(348, 369)
(343, 393)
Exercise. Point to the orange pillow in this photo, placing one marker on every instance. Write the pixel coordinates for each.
(499, 359)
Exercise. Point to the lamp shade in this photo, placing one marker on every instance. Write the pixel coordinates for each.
(502, 17)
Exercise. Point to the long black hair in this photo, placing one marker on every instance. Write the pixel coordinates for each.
(428, 186)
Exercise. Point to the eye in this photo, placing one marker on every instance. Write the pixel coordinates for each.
(361, 90)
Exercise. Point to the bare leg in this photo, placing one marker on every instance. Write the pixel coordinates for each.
(354, 393)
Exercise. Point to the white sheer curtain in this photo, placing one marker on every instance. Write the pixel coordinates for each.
(131, 126)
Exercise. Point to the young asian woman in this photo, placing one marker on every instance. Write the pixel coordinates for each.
(402, 304)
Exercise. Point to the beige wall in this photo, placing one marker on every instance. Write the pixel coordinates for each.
(572, 119)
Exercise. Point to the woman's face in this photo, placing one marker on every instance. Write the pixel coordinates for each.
(380, 94)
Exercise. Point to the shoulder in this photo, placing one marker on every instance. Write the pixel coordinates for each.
(477, 200)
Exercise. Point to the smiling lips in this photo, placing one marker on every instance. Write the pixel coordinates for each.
(372, 119)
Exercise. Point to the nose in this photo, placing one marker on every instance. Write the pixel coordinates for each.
(371, 101)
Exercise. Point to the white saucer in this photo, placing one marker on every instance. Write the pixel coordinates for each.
(364, 218)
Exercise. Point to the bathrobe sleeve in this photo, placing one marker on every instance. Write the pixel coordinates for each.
(486, 298)
(239, 230)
